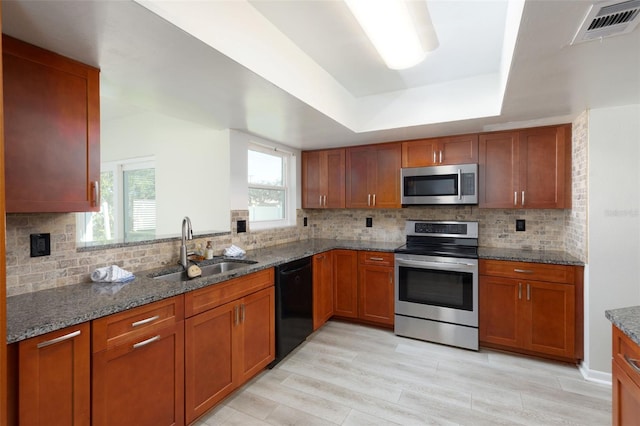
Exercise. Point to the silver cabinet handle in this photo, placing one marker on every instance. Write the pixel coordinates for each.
(236, 318)
(374, 200)
(459, 182)
(377, 259)
(242, 313)
(528, 291)
(59, 339)
(434, 157)
(519, 291)
(320, 201)
(368, 199)
(523, 271)
(145, 321)
(96, 193)
(146, 342)
(440, 156)
(325, 201)
(515, 198)
(633, 363)
(522, 198)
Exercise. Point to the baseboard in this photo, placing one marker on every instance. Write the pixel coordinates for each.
(595, 375)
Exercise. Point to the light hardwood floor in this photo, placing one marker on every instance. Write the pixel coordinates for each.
(347, 374)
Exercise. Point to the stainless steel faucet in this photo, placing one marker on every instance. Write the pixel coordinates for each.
(187, 234)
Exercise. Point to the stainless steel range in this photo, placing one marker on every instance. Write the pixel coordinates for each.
(436, 283)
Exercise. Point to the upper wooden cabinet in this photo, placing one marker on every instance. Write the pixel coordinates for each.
(530, 168)
(373, 176)
(461, 149)
(52, 131)
(323, 179)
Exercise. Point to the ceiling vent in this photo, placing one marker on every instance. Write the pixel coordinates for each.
(608, 19)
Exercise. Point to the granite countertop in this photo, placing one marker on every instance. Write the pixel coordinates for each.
(33, 314)
(627, 320)
(527, 255)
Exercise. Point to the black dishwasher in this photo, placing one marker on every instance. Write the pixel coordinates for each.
(294, 306)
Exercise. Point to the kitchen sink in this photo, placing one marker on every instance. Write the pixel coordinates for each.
(207, 270)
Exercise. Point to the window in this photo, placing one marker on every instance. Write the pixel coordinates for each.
(268, 180)
(127, 204)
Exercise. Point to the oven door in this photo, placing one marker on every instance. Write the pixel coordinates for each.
(437, 288)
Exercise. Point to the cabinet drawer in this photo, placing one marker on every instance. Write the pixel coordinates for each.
(627, 354)
(528, 271)
(375, 258)
(218, 294)
(117, 329)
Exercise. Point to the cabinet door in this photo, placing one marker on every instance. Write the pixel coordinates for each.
(345, 283)
(52, 134)
(545, 161)
(141, 382)
(311, 189)
(256, 334)
(359, 175)
(335, 178)
(500, 311)
(386, 192)
(459, 149)
(420, 153)
(626, 398)
(54, 378)
(550, 320)
(498, 170)
(322, 289)
(209, 349)
(375, 294)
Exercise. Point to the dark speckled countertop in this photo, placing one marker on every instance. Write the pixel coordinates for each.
(627, 320)
(33, 314)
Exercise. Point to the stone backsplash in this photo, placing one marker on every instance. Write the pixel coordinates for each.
(66, 265)
(545, 229)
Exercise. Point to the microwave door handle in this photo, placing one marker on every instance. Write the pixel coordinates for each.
(459, 184)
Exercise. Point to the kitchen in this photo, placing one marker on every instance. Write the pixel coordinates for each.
(602, 131)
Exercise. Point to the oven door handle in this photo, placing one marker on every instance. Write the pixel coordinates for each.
(435, 265)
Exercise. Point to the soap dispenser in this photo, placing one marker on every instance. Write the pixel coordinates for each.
(209, 251)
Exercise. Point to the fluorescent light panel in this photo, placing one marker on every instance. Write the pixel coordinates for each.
(391, 28)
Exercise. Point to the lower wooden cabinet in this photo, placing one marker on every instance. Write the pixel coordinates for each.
(54, 378)
(322, 289)
(518, 311)
(626, 380)
(138, 366)
(345, 283)
(228, 344)
(375, 287)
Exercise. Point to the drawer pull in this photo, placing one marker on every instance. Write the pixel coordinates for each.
(633, 363)
(58, 339)
(377, 259)
(146, 342)
(145, 321)
(523, 271)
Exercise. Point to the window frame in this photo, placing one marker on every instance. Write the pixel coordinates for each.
(288, 186)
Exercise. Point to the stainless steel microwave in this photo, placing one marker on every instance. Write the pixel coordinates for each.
(454, 184)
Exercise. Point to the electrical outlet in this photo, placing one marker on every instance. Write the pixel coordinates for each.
(520, 225)
(40, 245)
(242, 226)
(369, 222)
(304, 221)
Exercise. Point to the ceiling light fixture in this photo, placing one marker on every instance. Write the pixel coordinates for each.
(401, 31)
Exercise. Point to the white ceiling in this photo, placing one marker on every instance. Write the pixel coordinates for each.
(301, 72)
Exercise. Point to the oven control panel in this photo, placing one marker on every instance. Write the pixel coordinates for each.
(438, 228)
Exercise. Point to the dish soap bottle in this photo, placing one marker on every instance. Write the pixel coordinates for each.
(209, 251)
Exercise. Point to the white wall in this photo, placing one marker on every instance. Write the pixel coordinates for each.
(613, 278)
(192, 166)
